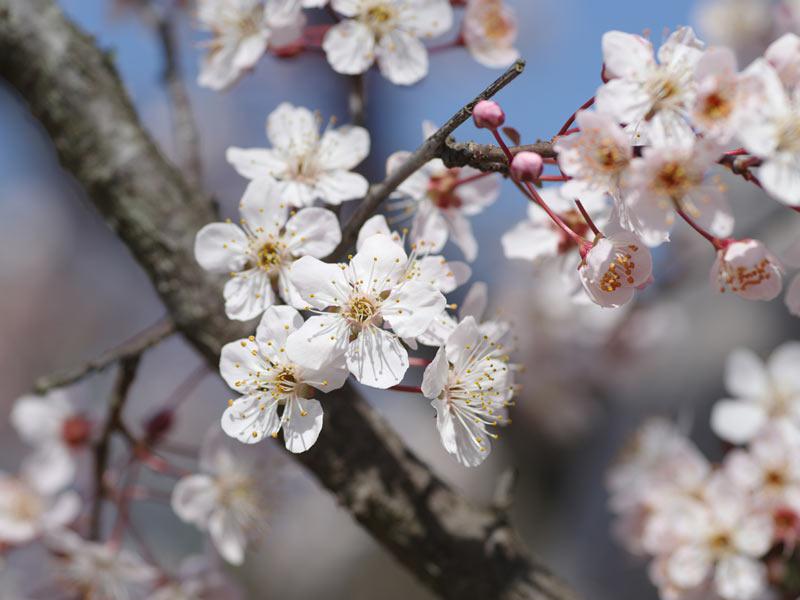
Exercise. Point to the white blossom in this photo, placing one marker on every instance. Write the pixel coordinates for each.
(747, 268)
(760, 393)
(27, 511)
(653, 98)
(259, 252)
(490, 31)
(226, 499)
(614, 268)
(277, 388)
(97, 570)
(386, 31)
(198, 579)
(470, 386)
(744, 25)
(55, 429)
(441, 201)
(355, 302)
(307, 166)
(674, 176)
(243, 29)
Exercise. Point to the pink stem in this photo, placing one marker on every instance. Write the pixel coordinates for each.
(411, 389)
(713, 240)
(554, 178)
(415, 361)
(565, 127)
(471, 178)
(586, 217)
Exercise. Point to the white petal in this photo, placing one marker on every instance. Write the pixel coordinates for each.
(320, 284)
(338, 186)
(274, 328)
(461, 234)
(456, 438)
(415, 186)
(318, 341)
(426, 18)
(477, 195)
(689, 566)
(349, 47)
(228, 537)
(302, 429)
(475, 302)
(784, 367)
(343, 148)
(402, 58)
(740, 578)
(247, 295)
(529, 241)
(263, 210)
(626, 55)
(256, 163)
(429, 228)
(736, 421)
(780, 176)
(194, 498)
(251, 418)
(65, 509)
(746, 375)
(624, 100)
(348, 8)
(238, 361)
(292, 129)
(792, 298)
(40, 419)
(380, 264)
(461, 342)
(50, 468)
(221, 248)
(249, 50)
(377, 358)
(313, 232)
(375, 225)
(330, 376)
(410, 309)
(435, 376)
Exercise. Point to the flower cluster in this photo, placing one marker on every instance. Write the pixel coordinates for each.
(728, 530)
(365, 32)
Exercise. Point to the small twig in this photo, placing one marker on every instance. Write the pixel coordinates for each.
(133, 347)
(127, 374)
(185, 133)
(488, 157)
(430, 149)
(357, 101)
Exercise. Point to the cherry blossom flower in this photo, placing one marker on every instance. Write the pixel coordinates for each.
(784, 56)
(198, 579)
(771, 133)
(441, 201)
(490, 30)
(724, 536)
(595, 158)
(387, 31)
(744, 25)
(27, 511)
(259, 252)
(749, 269)
(760, 393)
(354, 302)
(673, 176)
(307, 166)
(271, 377)
(243, 29)
(53, 426)
(470, 387)
(98, 570)
(614, 268)
(226, 499)
(538, 238)
(653, 98)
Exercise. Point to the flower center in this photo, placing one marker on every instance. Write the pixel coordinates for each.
(269, 257)
(720, 543)
(789, 134)
(609, 158)
(441, 189)
(716, 107)
(664, 90)
(379, 17)
(741, 277)
(673, 180)
(75, 431)
(361, 311)
(285, 381)
(496, 26)
(620, 271)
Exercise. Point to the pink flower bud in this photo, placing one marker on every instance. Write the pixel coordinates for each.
(487, 114)
(527, 166)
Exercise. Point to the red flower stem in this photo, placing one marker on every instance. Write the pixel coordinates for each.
(503, 146)
(554, 178)
(571, 131)
(415, 361)
(713, 240)
(737, 152)
(411, 389)
(586, 217)
(471, 178)
(565, 127)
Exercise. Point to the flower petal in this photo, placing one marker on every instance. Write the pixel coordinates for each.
(343, 148)
(736, 421)
(303, 426)
(434, 379)
(402, 58)
(377, 358)
(313, 231)
(349, 47)
(247, 294)
(338, 186)
(221, 248)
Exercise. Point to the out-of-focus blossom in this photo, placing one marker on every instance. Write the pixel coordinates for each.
(442, 200)
(538, 238)
(653, 98)
(307, 166)
(355, 302)
(595, 157)
(55, 429)
(271, 377)
(470, 387)
(749, 269)
(760, 393)
(226, 499)
(791, 258)
(744, 25)
(97, 570)
(243, 29)
(490, 31)
(198, 579)
(614, 268)
(259, 252)
(386, 31)
(27, 511)
(670, 176)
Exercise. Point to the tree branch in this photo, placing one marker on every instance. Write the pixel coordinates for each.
(458, 549)
(430, 149)
(488, 157)
(131, 348)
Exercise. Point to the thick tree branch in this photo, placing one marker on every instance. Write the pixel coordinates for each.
(488, 157)
(459, 550)
(431, 148)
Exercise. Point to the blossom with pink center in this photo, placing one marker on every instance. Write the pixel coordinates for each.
(614, 268)
(490, 31)
(747, 268)
(653, 98)
(441, 201)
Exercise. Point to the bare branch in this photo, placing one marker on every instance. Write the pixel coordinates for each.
(127, 373)
(357, 100)
(488, 157)
(430, 149)
(132, 348)
(458, 549)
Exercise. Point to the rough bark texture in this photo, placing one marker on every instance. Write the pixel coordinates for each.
(459, 550)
